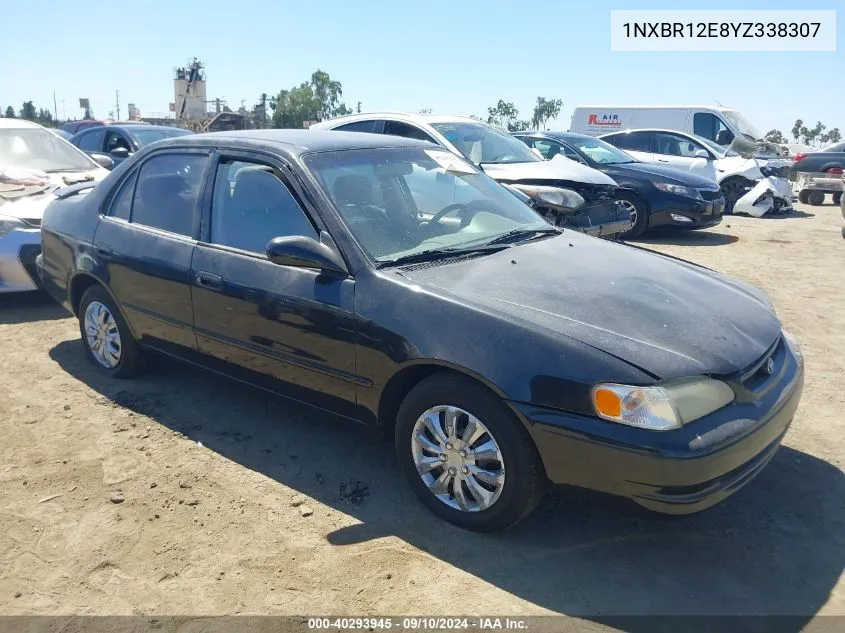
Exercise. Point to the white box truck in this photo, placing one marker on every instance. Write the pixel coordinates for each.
(719, 124)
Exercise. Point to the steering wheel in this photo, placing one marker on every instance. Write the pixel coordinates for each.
(467, 212)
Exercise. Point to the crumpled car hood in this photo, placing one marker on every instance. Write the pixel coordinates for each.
(667, 317)
(547, 170)
(30, 201)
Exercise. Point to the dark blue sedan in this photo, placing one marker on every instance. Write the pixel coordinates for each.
(654, 195)
(121, 141)
(499, 351)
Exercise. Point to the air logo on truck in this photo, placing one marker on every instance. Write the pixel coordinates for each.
(604, 120)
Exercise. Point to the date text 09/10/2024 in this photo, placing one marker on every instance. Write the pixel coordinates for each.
(417, 624)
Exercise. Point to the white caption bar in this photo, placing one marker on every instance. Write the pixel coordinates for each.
(723, 30)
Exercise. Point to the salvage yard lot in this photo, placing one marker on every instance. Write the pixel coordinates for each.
(181, 493)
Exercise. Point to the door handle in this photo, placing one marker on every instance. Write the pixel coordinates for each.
(209, 280)
(105, 251)
(662, 160)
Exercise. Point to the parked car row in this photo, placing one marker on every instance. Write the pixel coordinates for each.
(818, 173)
(391, 281)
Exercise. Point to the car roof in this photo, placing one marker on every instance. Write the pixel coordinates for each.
(131, 126)
(399, 116)
(16, 124)
(294, 143)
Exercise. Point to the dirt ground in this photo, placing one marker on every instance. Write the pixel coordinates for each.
(179, 493)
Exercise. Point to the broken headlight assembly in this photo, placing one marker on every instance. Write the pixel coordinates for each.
(552, 196)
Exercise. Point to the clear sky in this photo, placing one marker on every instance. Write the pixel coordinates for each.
(451, 56)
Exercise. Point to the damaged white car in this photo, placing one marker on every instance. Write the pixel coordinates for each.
(33, 164)
(737, 169)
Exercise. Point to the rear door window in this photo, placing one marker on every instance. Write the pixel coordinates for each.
(676, 145)
(635, 141)
(168, 191)
(359, 126)
(91, 141)
(400, 128)
(121, 204)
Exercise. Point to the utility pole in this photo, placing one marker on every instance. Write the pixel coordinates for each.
(55, 108)
(117, 104)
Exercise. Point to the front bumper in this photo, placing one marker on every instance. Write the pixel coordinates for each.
(675, 472)
(699, 213)
(18, 250)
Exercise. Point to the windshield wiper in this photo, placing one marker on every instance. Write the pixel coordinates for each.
(434, 254)
(518, 235)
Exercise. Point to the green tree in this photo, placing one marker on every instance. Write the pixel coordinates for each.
(10, 112)
(45, 118)
(502, 114)
(796, 129)
(317, 99)
(28, 111)
(818, 130)
(544, 111)
(806, 135)
(834, 136)
(775, 136)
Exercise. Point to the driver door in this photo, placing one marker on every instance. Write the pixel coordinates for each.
(289, 329)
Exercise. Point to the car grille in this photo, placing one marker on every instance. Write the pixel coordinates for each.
(710, 194)
(27, 256)
(764, 369)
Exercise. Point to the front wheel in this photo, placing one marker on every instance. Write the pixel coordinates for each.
(466, 456)
(733, 189)
(804, 196)
(638, 210)
(108, 342)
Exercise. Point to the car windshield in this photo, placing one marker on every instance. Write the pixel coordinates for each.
(483, 143)
(37, 148)
(600, 151)
(717, 149)
(145, 136)
(399, 202)
(742, 124)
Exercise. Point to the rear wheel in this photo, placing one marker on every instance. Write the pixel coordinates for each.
(638, 209)
(816, 198)
(804, 196)
(108, 342)
(466, 456)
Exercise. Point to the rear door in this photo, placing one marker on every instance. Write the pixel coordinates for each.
(146, 240)
(681, 152)
(287, 328)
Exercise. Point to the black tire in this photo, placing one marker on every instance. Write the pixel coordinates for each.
(525, 479)
(837, 198)
(816, 198)
(131, 357)
(733, 189)
(804, 196)
(641, 210)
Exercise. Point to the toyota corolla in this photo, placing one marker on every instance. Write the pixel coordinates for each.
(500, 351)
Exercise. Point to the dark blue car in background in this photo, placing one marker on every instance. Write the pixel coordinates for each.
(121, 141)
(654, 195)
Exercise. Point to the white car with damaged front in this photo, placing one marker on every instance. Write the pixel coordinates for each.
(34, 163)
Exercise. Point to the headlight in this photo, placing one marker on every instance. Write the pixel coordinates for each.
(553, 196)
(793, 344)
(9, 224)
(662, 408)
(679, 190)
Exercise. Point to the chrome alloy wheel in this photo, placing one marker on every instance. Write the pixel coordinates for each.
(102, 335)
(631, 208)
(458, 458)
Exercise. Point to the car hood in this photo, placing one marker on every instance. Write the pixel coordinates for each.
(665, 316)
(547, 170)
(671, 175)
(28, 202)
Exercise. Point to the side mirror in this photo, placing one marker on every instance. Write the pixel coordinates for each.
(701, 153)
(103, 160)
(305, 252)
(119, 153)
